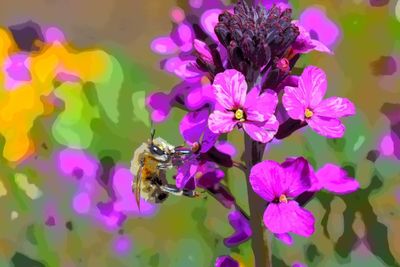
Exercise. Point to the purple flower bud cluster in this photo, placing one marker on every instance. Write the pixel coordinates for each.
(254, 35)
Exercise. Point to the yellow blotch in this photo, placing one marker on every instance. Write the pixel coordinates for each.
(239, 114)
(31, 190)
(283, 199)
(308, 113)
(3, 190)
(20, 107)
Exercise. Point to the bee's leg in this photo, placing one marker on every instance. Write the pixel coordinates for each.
(182, 150)
(172, 189)
(164, 166)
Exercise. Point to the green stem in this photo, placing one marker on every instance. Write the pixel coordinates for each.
(253, 154)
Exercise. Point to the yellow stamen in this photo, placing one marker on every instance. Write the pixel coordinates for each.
(308, 113)
(283, 198)
(239, 114)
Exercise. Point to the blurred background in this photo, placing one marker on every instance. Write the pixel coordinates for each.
(74, 78)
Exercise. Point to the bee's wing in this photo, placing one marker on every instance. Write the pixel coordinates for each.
(138, 184)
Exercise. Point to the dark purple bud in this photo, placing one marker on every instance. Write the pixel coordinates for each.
(258, 34)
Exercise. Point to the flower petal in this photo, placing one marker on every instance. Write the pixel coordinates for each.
(198, 96)
(160, 104)
(193, 125)
(226, 147)
(186, 36)
(231, 88)
(334, 179)
(186, 172)
(262, 131)
(313, 82)
(226, 261)
(203, 50)
(294, 101)
(258, 106)
(285, 238)
(318, 46)
(221, 121)
(289, 217)
(297, 176)
(208, 175)
(266, 179)
(208, 21)
(335, 107)
(242, 229)
(163, 45)
(328, 127)
(304, 44)
(208, 140)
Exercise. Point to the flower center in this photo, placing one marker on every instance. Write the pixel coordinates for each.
(308, 113)
(239, 114)
(283, 198)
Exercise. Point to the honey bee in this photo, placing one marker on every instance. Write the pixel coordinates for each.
(150, 162)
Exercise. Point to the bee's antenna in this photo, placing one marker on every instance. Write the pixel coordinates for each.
(152, 132)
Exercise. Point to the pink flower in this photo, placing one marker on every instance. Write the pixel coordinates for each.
(279, 185)
(254, 111)
(305, 103)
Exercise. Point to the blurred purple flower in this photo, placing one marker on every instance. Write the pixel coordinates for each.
(305, 103)
(386, 146)
(53, 35)
(17, 70)
(77, 163)
(320, 27)
(299, 264)
(87, 199)
(390, 144)
(254, 112)
(180, 39)
(122, 245)
(242, 229)
(81, 202)
(226, 261)
(305, 44)
(122, 185)
(279, 184)
(334, 179)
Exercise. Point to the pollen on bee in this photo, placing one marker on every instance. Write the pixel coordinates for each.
(308, 113)
(283, 199)
(196, 147)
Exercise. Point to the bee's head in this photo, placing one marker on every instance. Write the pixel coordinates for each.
(160, 149)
